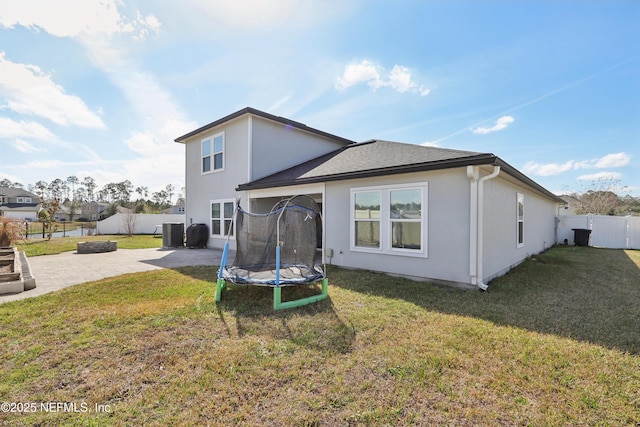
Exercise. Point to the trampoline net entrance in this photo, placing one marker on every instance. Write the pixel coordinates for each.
(277, 248)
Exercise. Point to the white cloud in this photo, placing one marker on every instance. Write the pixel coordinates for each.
(400, 80)
(615, 160)
(364, 72)
(26, 147)
(247, 17)
(105, 33)
(547, 169)
(373, 75)
(72, 18)
(500, 124)
(609, 161)
(600, 176)
(12, 129)
(32, 92)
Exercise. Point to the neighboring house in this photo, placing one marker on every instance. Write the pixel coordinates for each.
(177, 209)
(449, 216)
(63, 214)
(570, 205)
(19, 203)
(93, 211)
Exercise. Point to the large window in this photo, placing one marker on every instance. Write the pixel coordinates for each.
(212, 153)
(366, 214)
(520, 221)
(405, 212)
(389, 219)
(221, 217)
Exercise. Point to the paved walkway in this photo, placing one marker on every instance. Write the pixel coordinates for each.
(54, 272)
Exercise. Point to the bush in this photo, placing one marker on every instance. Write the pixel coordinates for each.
(10, 231)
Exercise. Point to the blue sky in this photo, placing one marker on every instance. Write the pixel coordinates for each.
(101, 88)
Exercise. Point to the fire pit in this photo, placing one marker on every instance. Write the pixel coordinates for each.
(96, 247)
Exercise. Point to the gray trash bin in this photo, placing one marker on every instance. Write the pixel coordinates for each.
(172, 234)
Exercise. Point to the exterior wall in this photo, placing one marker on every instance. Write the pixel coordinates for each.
(501, 251)
(218, 185)
(253, 148)
(447, 240)
(276, 147)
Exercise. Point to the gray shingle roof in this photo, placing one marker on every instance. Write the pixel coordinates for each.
(371, 158)
(17, 192)
(379, 158)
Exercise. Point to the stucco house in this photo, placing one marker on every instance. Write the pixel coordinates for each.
(93, 211)
(19, 203)
(448, 216)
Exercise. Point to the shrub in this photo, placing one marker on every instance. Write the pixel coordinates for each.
(10, 231)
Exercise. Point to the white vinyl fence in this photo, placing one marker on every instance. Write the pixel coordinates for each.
(140, 223)
(618, 232)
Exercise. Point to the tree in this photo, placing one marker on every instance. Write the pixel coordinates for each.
(143, 192)
(8, 184)
(129, 220)
(47, 215)
(90, 184)
(124, 189)
(41, 188)
(169, 190)
(600, 198)
(73, 180)
(56, 188)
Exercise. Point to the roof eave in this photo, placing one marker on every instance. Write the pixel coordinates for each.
(395, 170)
(507, 168)
(248, 110)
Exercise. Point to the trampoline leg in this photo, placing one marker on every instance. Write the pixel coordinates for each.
(277, 297)
(220, 285)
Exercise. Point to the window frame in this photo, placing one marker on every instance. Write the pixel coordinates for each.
(519, 220)
(223, 218)
(355, 220)
(212, 153)
(386, 222)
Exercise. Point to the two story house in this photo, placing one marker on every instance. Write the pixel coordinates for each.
(19, 203)
(443, 215)
(93, 211)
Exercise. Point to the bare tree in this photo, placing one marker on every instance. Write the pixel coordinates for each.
(129, 220)
(600, 198)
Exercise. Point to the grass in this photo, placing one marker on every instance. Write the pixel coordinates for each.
(36, 247)
(554, 342)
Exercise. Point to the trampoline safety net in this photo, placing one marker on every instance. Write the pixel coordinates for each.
(293, 225)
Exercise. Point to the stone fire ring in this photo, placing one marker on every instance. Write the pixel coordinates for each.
(97, 247)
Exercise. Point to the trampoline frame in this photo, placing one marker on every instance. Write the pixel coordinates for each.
(278, 304)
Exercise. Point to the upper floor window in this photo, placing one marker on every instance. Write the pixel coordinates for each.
(212, 152)
(24, 199)
(520, 220)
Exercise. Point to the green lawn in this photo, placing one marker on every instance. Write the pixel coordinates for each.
(554, 342)
(39, 246)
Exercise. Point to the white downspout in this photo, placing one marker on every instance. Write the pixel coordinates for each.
(480, 250)
(473, 174)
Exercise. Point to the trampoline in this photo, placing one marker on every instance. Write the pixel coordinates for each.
(276, 249)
